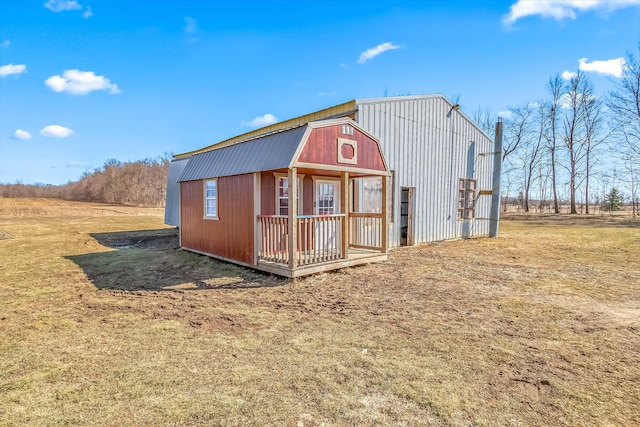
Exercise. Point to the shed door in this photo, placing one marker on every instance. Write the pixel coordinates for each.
(327, 198)
(406, 216)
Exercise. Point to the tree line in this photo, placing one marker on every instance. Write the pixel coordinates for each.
(138, 183)
(572, 148)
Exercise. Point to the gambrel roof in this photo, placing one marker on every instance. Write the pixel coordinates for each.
(279, 150)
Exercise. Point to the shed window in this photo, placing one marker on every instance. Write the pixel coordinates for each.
(282, 194)
(211, 198)
(347, 130)
(466, 198)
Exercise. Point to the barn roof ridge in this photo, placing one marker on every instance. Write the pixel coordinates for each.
(345, 109)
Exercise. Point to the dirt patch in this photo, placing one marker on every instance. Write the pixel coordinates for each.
(105, 314)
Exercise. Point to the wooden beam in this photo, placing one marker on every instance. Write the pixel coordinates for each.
(344, 188)
(318, 166)
(257, 225)
(385, 216)
(293, 216)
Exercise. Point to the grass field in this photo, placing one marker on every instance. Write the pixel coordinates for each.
(105, 321)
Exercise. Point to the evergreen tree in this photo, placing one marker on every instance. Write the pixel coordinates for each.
(612, 200)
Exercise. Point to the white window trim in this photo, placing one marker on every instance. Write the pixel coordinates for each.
(316, 179)
(204, 189)
(300, 178)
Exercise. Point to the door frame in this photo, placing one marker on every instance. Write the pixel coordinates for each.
(337, 196)
(410, 215)
(321, 238)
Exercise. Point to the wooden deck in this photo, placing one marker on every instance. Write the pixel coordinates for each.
(356, 257)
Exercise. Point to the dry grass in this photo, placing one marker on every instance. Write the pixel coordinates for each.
(104, 321)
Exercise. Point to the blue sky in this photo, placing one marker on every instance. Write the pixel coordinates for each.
(85, 81)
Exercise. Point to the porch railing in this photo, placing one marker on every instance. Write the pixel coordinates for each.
(319, 238)
(274, 241)
(365, 230)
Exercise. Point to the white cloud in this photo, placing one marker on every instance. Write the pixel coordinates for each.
(74, 164)
(191, 25)
(568, 75)
(326, 94)
(21, 134)
(375, 51)
(561, 9)
(56, 131)
(611, 67)
(87, 13)
(7, 70)
(5, 43)
(507, 114)
(62, 5)
(565, 100)
(78, 82)
(261, 121)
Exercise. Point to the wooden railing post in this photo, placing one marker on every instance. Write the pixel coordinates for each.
(293, 217)
(344, 177)
(385, 215)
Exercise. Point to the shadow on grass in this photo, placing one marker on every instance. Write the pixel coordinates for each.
(151, 260)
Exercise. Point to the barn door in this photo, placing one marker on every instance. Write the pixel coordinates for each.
(406, 216)
(327, 197)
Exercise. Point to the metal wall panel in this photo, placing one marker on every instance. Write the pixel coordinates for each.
(172, 203)
(230, 236)
(431, 145)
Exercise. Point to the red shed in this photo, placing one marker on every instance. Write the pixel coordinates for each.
(286, 202)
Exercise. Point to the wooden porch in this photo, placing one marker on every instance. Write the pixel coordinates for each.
(323, 242)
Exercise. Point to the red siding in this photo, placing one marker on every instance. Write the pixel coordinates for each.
(268, 194)
(307, 195)
(322, 148)
(231, 236)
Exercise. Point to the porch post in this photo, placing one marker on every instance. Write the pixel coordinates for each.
(257, 225)
(293, 218)
(344, 185)
(385, 215)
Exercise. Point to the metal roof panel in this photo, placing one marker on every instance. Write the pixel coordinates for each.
(270, 152)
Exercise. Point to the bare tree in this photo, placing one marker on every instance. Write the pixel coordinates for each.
(485, 119)
(555, 88)
(594, 136)
(526, 129)
(140, 183)
(624, 102)
(516, 134)
(533, 150)
(577, 92)
(517, 130)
